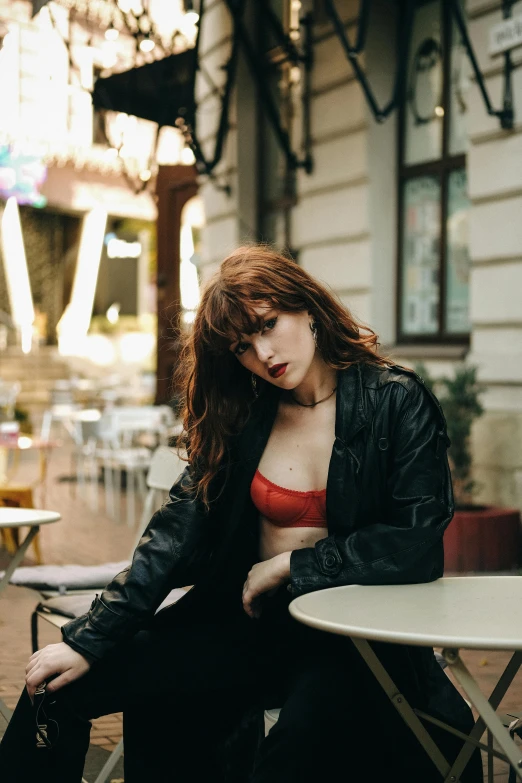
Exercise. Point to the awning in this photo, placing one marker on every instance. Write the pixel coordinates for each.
(160, 91)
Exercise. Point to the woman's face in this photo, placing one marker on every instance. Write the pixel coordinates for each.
(283, 350)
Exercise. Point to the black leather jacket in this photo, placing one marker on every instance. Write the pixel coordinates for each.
(389, 500)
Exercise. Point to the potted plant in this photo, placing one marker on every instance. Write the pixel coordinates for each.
(480, 537)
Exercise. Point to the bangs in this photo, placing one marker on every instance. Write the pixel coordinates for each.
(225, 319)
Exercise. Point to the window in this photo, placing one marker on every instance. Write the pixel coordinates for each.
(433, 290)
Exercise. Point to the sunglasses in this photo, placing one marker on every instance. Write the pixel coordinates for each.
(43, 722)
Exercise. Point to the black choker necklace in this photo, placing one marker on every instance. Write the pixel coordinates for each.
(312, 404)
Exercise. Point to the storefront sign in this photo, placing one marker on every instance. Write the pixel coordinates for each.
(505, 35)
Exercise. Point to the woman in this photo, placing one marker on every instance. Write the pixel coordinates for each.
(313, 462)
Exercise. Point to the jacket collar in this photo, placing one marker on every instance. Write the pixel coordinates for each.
(350, 414)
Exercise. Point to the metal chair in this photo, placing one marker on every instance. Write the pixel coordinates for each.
(164, 468)
(121, 431)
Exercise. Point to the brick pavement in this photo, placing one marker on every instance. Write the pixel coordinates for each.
(86, 537)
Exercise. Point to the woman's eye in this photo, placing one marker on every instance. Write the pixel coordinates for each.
(241, 348)
(270, 323)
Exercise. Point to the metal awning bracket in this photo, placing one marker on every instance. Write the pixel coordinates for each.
(506, 115)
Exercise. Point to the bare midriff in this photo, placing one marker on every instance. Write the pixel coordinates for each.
(274, 540)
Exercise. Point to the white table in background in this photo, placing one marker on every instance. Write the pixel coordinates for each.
(481, 613)
(22, 517)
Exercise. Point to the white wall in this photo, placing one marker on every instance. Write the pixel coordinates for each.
(495, 181)
(331, 222)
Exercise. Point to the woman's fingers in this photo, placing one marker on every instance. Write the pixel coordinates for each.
(251, 605)
(41, 672)
(64, 679)
(30, 666)
(37, 676)
(33, 682)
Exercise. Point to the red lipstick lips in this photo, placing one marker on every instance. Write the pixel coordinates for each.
(277, 370)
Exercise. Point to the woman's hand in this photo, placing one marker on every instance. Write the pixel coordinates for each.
(263, 577)
(55, 659)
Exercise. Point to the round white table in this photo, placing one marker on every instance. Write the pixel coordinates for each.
(23, 517)
(459, 612)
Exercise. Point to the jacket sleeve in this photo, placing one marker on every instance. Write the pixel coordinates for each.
(172, 552)
(406, 546)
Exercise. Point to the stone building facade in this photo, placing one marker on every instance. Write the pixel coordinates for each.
(347, 220)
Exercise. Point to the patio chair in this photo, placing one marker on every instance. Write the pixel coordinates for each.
(121, 451)
(68, 589)
(62, 406)
(53, 581)
(59, 611)
(162, 472)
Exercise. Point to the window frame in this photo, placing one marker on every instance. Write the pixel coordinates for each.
(441, 168)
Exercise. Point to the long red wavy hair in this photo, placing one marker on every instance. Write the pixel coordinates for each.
(217, 389)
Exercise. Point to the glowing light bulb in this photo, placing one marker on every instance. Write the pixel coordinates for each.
(113, 313)
(111, 34)
(147, 45)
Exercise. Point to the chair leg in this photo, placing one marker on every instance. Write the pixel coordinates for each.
(93, 473)
(131, 497)
(118, 498)
(34, 631)
(108, 480)
(110, 763)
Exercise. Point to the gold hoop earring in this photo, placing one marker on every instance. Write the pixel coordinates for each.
(253, 381)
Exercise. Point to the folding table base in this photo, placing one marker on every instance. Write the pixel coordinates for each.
(488, 719)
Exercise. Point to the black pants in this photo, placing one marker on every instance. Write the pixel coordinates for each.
(188, 696)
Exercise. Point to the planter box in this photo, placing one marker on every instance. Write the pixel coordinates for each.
(483, 538)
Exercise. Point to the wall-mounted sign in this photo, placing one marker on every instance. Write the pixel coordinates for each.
(21, 176)
(505, 35)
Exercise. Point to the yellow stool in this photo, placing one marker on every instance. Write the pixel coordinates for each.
(18, 497)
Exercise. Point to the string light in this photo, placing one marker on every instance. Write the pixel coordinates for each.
(191, 16)
(111, 34)
(146, 44)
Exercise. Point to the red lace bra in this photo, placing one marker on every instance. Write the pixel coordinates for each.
(288, 507)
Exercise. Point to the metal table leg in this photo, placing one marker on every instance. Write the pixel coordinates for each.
(484, 707)
(496, 697)
(402, 706)
(18, 557)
